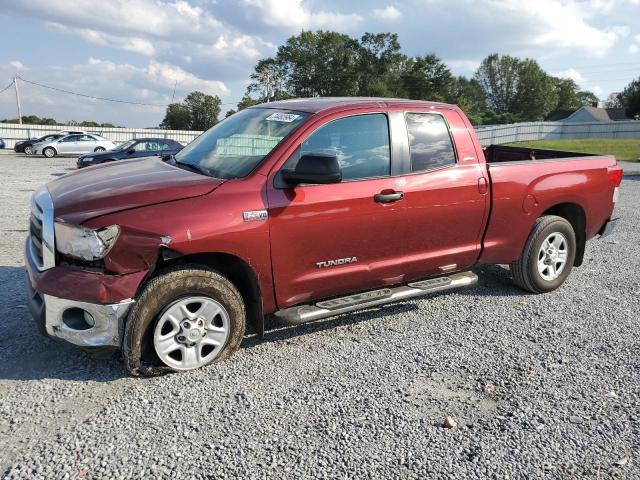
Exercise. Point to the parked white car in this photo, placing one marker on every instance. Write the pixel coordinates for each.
(73, 145)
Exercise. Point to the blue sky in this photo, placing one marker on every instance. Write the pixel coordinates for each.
(138, 49)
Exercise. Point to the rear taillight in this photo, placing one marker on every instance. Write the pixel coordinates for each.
(615, 175)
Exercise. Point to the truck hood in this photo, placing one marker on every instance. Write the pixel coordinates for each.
(126, 184)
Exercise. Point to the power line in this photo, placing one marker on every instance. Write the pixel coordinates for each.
(105, 99)
(7, 87)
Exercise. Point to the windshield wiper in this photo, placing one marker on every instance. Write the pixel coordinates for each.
(171, 159)
(194, 168)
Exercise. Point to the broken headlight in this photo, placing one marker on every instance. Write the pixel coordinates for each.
(85, 243)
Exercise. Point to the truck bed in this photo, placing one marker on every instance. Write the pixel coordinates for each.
(501, 153)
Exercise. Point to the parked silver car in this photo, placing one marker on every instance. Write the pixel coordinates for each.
(73, 145)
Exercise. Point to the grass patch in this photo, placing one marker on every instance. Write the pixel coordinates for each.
(623, 148)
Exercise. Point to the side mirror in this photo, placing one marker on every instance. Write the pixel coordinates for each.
(131, 151)
(314, 168)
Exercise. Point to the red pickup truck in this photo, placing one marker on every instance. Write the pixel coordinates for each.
(303, 209)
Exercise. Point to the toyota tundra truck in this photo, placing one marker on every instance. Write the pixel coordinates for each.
(305, 209)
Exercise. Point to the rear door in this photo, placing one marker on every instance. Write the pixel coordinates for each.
(329, 240)
(446, 195)
(86, 144)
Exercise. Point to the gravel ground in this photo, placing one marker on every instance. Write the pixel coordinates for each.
(363, 395)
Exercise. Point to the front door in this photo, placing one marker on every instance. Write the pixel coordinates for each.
(328, 240)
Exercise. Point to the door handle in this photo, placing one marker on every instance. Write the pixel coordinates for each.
(388, 197)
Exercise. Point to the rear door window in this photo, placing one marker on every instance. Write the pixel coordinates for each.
(430, 144)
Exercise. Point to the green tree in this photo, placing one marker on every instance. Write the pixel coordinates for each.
(567, 93)
(516, 86)
(587, 98)
(629, 98)
(380, 64)
(246, 102)
(320, 64)
(427, 78)
(177, 117)
(203, 110)
(613, 101)
(468, 95)
(310, 64)
(198, 111)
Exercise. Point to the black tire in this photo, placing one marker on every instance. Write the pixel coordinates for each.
(100, 149)
(525, 271)
(49, 152)
(28, 150)
(170, 285)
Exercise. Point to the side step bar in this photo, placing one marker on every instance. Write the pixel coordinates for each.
(337, 306)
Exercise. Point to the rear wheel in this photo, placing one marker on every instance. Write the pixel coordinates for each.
(548, 256)
(185, 318)
(49, 152)
(28, 150)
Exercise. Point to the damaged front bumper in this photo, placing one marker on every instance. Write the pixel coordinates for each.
(81, 308)
(81, 323)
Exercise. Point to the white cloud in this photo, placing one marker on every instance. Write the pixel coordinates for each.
(468, 67)
(294, 16)
(561, 26)
(388, 13)
(162, 76)
(18, 65)
(633, 49)
(621, 30)
(154, 18)
(126, 43)
(572, 74)
(597, 89)
(152, 84)
(243, 45)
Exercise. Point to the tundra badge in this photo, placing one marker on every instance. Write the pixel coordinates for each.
(338, 261)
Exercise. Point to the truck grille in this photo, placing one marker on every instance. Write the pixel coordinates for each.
(35, 231)
(41, 230)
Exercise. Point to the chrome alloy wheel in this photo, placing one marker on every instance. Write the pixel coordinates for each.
(552, 256)
(191, 332)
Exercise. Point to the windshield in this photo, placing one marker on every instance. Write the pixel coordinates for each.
(235, 146)
(124, 146)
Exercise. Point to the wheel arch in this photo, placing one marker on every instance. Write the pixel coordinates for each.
(575, 215)
(232, 267)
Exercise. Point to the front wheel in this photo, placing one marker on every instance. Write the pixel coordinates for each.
(548, 256)
(49, 152)
(185, 318)
(28, 150)
(99, 149)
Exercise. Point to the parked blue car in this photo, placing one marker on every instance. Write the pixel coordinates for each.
(2, 145)
(138, 147)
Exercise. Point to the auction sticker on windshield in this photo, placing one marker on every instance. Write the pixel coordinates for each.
(283, 117)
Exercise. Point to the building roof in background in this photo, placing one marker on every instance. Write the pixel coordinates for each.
(598, 114)
(617, 114)
(559, 115)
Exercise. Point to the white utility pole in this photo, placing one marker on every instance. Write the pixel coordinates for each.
(173, 96)
(266, 80)
(15, 85)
